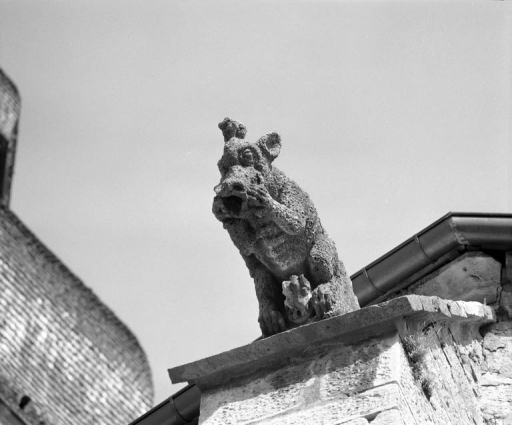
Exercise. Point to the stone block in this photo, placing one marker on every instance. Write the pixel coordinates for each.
(333, 386)
(321, 385)
(388, 417)
(506, 301)
(349, 410)
(473, 276)
(496, 380)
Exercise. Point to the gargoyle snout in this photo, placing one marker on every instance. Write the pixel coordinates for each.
(237, 187)
(229, 187)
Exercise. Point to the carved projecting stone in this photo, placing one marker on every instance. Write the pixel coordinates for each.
(274, 224)
(297, 304)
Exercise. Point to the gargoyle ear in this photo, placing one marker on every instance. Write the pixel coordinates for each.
(270, 145)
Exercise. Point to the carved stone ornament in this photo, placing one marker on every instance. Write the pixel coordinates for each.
(297, 303)
(276, 228)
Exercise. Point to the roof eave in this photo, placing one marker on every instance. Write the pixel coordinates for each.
(429, 249)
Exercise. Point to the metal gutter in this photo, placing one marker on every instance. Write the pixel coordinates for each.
(426, 251)
(179, 409)
(429, 249)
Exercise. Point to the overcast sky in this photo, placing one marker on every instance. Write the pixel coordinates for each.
(391, 114)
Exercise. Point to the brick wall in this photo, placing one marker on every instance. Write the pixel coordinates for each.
(60, 347)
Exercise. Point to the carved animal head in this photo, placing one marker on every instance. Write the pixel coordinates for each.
(297, 291)
(243, 165)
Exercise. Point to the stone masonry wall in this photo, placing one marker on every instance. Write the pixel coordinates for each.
(447, 359)
(425, 371)
(465, 373)
(496, 374)
(335, 382)
(65, 357)
(486, 358)
(442, 381)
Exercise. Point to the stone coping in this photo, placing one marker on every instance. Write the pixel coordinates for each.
(286, 347)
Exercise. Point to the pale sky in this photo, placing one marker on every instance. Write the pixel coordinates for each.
(391, 114)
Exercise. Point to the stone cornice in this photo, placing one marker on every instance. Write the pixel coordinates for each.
(287, 347)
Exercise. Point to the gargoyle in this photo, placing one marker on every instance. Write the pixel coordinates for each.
(276, 228)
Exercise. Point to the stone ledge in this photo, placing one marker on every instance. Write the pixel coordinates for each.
(292, 346)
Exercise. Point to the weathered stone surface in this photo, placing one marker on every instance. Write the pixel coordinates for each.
(291, 346)
(327, 378)
(451, 393)
(473, 276)
(448, 359)
(276, 228)
(508, 267)
(415, 409)
(297, 292)
(330, 387)
(358, 421)
(466, 378)
(496, 380)
(371, 381)
(506, 300)
(350, 410)
(388, 417)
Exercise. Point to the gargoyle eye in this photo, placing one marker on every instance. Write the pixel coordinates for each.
(247, 156)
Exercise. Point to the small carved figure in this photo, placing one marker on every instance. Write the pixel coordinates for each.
(297, 292)
(276, 228)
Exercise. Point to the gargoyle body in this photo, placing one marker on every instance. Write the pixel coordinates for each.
(276, 228)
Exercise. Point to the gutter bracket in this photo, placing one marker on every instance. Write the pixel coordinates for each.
(417, 240)
(459, 236)
(371, 283)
